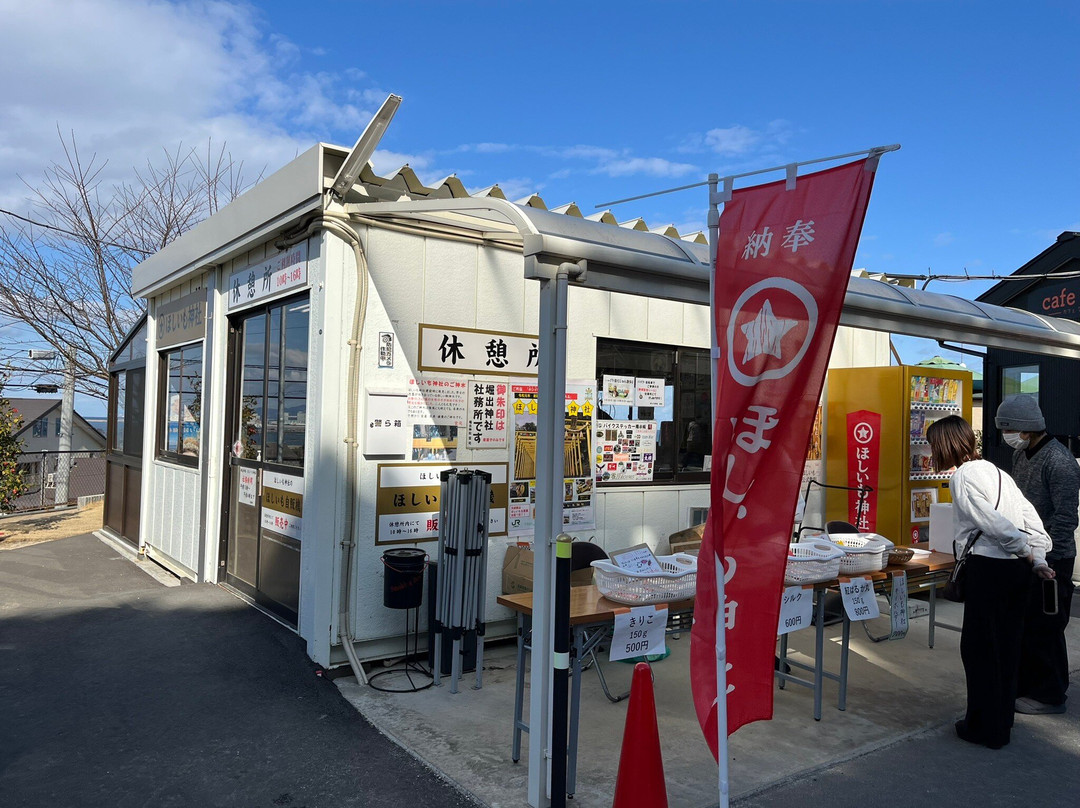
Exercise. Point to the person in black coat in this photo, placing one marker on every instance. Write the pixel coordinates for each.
(1049, 477)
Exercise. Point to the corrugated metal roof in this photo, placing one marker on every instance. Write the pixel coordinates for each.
(258, 211)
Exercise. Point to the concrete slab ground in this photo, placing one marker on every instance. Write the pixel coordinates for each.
(903, 698)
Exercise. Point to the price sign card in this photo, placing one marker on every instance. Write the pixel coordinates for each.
(899, 606)
(859, 600)
(796, 609)
(638, 558)
(639, 631)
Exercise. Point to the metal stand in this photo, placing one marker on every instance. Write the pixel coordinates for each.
(408, 668)
(462, 585)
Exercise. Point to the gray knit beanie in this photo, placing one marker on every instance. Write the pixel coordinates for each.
(1021, 413)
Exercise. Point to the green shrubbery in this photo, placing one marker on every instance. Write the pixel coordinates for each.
(11, 484)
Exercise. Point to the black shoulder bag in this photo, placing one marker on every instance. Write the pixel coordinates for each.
(955, 586)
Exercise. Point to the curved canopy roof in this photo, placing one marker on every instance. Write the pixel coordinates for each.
(649, 263)
(626, 257)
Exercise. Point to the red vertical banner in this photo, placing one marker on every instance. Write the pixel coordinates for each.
(782, 264)
(863, 460)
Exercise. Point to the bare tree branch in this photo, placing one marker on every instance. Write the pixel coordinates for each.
(69, 283)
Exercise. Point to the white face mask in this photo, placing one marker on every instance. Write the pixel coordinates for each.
(1014, 440)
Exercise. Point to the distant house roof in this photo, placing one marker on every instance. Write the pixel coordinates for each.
(1060, 256)
(33, 409)
(949, 364)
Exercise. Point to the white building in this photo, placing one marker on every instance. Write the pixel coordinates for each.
(308, 354)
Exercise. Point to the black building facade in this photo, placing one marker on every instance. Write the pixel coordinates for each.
(1055, 381)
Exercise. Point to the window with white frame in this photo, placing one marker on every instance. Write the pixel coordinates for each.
(180, 413)
(684, 435)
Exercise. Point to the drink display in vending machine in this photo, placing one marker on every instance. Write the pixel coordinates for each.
(876, 437)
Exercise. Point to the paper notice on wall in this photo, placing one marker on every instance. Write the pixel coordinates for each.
(438, 400)
(489, 408)
(579, 406)
(283, 503)
(248, 486)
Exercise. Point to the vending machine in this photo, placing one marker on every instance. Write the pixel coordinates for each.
(876, 420)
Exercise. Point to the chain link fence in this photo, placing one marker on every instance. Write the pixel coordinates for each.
(41, 471)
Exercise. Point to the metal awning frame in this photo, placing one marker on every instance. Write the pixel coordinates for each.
(645, 264)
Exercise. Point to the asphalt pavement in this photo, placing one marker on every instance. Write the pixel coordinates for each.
(116, 690)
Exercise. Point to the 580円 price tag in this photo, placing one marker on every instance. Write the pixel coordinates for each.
(639, 631)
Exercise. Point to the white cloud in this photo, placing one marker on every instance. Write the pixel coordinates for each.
(732, 141)
(739, 140)
(130, 77)
(650, 166)
(943, 239)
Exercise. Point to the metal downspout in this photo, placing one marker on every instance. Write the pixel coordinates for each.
(341, 229)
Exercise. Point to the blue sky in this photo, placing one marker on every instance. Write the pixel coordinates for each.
(589, 102)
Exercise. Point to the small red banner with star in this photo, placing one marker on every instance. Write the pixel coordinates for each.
(782, 264)
(863, 459)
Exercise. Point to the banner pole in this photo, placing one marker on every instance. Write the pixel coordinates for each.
(723, 786)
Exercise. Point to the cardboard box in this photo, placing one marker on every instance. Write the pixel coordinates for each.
(687, 541)
(517, 571)
(942, 529)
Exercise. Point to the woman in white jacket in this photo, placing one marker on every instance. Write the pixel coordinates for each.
(1010, 542)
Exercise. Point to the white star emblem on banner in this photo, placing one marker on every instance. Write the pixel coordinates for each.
(764, 333)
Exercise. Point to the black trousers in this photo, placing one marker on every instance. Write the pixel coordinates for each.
(1044, 659)
(997, 597)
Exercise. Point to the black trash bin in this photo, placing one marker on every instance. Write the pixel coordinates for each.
(468, 639)
(403, 579)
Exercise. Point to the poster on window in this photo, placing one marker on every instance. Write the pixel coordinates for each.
(489, 406)
(648, 392)
(618, 389)
(579, 407)
(625, 451)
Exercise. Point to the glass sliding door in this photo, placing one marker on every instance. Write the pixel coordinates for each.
(268, 423)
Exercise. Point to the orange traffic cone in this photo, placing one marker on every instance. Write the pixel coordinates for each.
(640, 782)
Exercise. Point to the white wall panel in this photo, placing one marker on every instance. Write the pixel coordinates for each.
(174, 514)
(587, 313)
(629, 315)
(500, 291)
(660, 518)
(696, 326)
(623, 515)
(396, 265)
(450, 289)
(665, 322)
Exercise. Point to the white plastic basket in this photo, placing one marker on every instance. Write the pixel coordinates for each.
(853, 540)
(811, 562)
(678, 581)
(862, 553)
